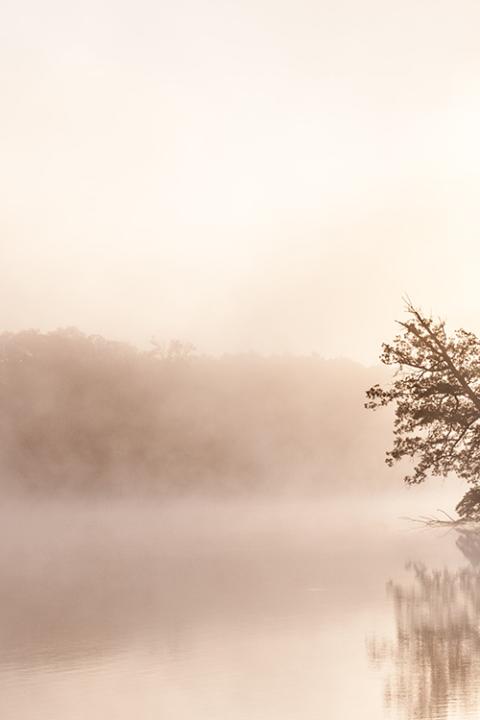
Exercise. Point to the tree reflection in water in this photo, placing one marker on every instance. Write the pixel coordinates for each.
(433, 664)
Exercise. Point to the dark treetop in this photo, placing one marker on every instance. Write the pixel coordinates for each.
(436, 393)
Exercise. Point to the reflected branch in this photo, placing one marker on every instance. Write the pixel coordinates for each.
(433, 662)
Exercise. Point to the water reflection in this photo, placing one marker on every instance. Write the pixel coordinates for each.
(194, 611)
(433, 664)
(185, 612)
(468, 542)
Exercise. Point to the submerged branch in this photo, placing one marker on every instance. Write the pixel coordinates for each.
(431, 521)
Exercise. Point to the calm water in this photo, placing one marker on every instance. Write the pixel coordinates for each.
(254, 611)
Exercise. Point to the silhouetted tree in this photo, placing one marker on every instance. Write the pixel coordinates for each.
(436, 393)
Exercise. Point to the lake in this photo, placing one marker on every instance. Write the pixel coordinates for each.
(258, 610)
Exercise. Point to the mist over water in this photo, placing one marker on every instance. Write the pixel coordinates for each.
(199, 537)
(208, 609)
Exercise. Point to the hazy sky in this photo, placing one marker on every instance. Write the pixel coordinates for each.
(255, 174)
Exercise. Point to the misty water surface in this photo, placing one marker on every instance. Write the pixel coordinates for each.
(283, 610)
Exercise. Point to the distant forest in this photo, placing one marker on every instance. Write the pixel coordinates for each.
(81, 414)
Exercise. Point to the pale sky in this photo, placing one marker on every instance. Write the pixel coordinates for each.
(250, 175)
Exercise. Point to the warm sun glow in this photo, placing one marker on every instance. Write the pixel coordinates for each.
(239, 168)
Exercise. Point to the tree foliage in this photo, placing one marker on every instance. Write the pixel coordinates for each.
(436, 394)
(469, 506)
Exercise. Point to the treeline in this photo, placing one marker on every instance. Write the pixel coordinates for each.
(83, 414)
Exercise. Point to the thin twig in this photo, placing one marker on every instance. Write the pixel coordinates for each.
(446, 514)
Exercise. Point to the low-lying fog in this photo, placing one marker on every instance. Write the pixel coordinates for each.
(84, 416)
(240, 609)
(210, 538)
